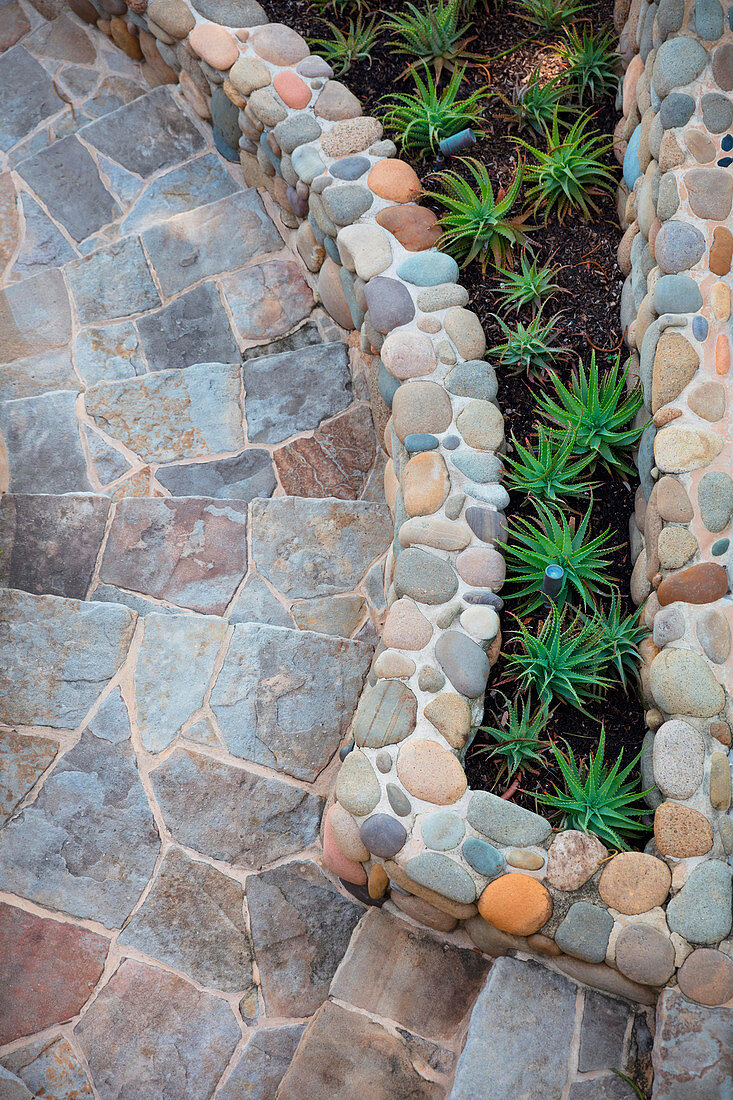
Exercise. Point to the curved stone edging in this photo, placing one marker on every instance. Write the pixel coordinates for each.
(402, 799)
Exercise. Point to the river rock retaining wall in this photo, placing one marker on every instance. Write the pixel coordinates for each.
(404, 827)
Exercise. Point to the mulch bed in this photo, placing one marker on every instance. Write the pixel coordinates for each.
(591, 282)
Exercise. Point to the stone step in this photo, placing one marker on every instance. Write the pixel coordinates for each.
(693, 1049)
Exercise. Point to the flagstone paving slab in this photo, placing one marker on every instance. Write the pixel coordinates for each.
(209, 240)
(44, 245)
(190, 551)
(35, 316)
(66, 179)
(232, 814)
(88, 844)
(262, 1063)
(154, 1036)
(10, 232)
(268, 698)
(109, 593)
(147, 135)
(295, 390)
(49, 544)
(192, 920)
(267, 299)
(256, 603)
(175, 414)
(174, 666)
(197, 183)
(73, 650)
(50, 1070)
(112, 282)
(301, 928)
(23, 760)
(192, 329)
(334, 461)
(109, 352)
(316, 547)
(38, 374)
(28, 97)
(44, 448)
(48, 970)
(106, 462)
(61, 40)
(242, 477)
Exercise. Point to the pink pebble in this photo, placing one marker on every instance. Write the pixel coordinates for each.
(293, 91)
(337, 862)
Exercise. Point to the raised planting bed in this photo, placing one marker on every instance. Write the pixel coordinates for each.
(405, 824)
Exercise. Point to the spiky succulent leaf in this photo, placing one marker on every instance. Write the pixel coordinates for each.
(591, 62)
(518, 743)
(622, 635)
(475, 222)
(598, 410)
(548, 472)
(343, 48)
(530, 286)
(434, 33)
(548, 15)
(564, 176)
(532, 104)
(597, 800)
(527, 347)
(423, 119)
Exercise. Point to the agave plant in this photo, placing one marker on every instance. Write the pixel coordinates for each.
(591, 62)
(598, 800)
(566, 175)
(548, 15)
(548, 473)
(531, 286)
(475, 222)
(424, 118)
(517, 742)
(622, 635)
(563, 659)
(598, 410)
(435, 34)
(343, 48)
(527, 347)
(532, 546)
(533, 104)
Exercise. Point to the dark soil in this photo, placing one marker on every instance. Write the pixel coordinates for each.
(591, 283)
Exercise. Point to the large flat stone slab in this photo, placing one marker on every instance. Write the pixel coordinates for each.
(28, 96)
(50, 1069)
(66, 179)
(421, 983)
(295, 390)
(257, 603)
(332, 462)
(192, 920)
(192, 329)
(57, 656)
(232, 814)
(345, 1054)
(285, 698)
(44, 245)
(112, 282)
(317, 547)
(153, 1036)
(242, 477)
(197, 183)
(88, 844)
(268, 299)
(10, 230)
(35, 316)
(41, 435)
(301, 927)
(23, 760)
(262, 1063)
(190, 551)
(527, 1060)
(49, 544)
(170, 415)
(109, 352)
(48, 970)
(219, 237)
(62, 39)
(44, 373)
(693, 1049)
(174, 666)
(147, 135)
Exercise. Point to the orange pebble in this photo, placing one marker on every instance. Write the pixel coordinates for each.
(292, 90)
(722, 354)
(516, 903)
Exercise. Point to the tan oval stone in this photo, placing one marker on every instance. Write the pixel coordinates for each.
(524, 859)
(357, 787)
(464, 329)
(481, 425)
(248, 74)
(390, 665)
(720, 781)
(681, 831)
(408, 354)
(425, 484)
(345, 832)
(377, 882)
(701, 147)
(430, 772)
(720, 301)
(634, 882)
(216, 45)
(673, 503)
(406, 627)
(394, 180)
(482, 567)
(516, 903)
(572, 859)
(708, 400)
(675, 365)
(675, 546)
(682, 682)
(706, 976)
(420, 407)
(415, 227)
(721, 251)
(451, 716)
(443, 534)
(680, 450)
